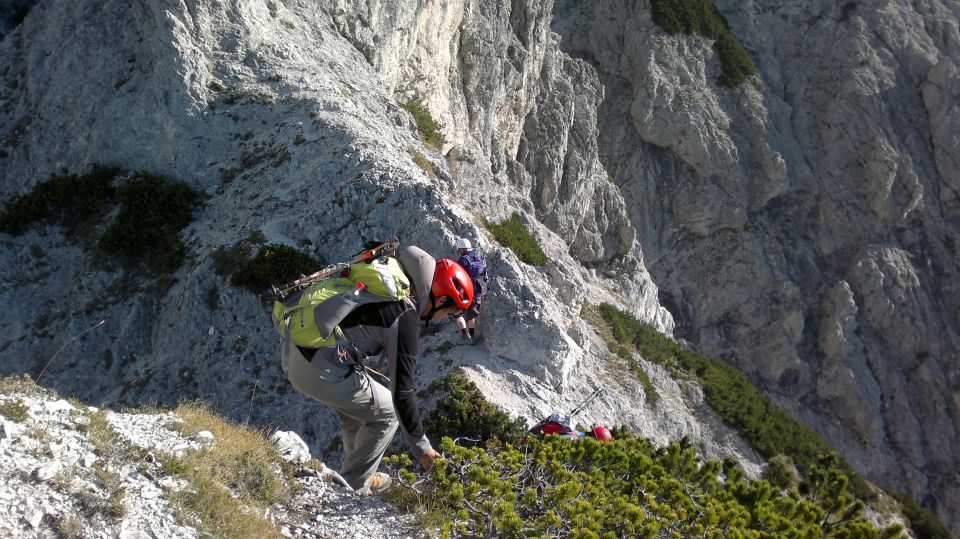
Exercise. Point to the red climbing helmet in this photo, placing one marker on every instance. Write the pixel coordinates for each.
(601, 433)
(451, 280)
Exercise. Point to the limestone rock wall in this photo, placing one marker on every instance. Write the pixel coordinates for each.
(803, 225)
(285, 116)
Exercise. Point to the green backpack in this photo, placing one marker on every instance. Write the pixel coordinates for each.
(296, 316)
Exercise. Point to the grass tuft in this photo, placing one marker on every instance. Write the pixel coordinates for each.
(233, 481)
(14, 410)
(421, 162)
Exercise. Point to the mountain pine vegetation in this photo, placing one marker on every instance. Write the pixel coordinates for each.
(555, 487)
(152, 212)
(274, 264)
(511, 233)
(702, 18)
(431, 131)
(67, 200)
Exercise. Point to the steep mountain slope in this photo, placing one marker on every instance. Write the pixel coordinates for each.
(804, 224)
(284, 116)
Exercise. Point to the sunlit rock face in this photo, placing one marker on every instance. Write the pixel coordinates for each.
(805, 224)
(286, 117)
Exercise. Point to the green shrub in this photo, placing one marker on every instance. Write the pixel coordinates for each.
(555, 487)
(921, 520)
(463, 412)
(514, 235)
(153, 211)
(623, 354)
(735, 63)
(68, 200)
(780, 472)
(702, 18)
(431, 132)
(768, 428)
(274, 264)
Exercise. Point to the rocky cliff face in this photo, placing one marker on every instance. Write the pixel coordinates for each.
(805, 224)
(285, 115)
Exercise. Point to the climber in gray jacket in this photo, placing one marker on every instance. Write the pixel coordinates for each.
(335, 375)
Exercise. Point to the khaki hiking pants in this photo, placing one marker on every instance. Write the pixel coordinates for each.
(365, 409)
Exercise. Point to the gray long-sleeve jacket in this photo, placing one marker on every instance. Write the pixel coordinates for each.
(392, 329)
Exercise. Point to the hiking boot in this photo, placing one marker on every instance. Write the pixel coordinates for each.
(377, 483)
(473, 332)
(466, 335)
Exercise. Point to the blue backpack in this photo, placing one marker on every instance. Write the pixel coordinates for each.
(477, 270)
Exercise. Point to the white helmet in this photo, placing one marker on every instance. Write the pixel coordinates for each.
(464, 243)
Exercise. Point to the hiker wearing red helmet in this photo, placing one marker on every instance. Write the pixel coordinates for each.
(369, 412)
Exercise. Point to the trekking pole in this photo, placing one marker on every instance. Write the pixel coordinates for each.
(88, 330)
(596, 393)
(364, 256)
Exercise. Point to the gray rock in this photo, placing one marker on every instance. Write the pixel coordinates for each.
(9, 429)
(48, 471)
(35, 517)
(291, 446)
(204, 437)
(797, 223)
(58, 406)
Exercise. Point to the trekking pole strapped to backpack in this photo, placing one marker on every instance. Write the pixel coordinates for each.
(383, 249)
(596, 393)
(307, 312)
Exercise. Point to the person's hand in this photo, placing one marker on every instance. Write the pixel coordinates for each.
(426, 460)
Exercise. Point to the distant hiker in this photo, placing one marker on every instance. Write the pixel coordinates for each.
(476, 268)
(350, 326)
(560, 424)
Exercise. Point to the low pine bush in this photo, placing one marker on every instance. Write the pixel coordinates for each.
(431, 131)
(769, 429)
(498, 484)
(773, 432)
(623, 355)
(555, 487)
(68, 200)
(702, 18)
(922, 521)
(153, 211)
(463, 412)
(273, 264)
(514, 235)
